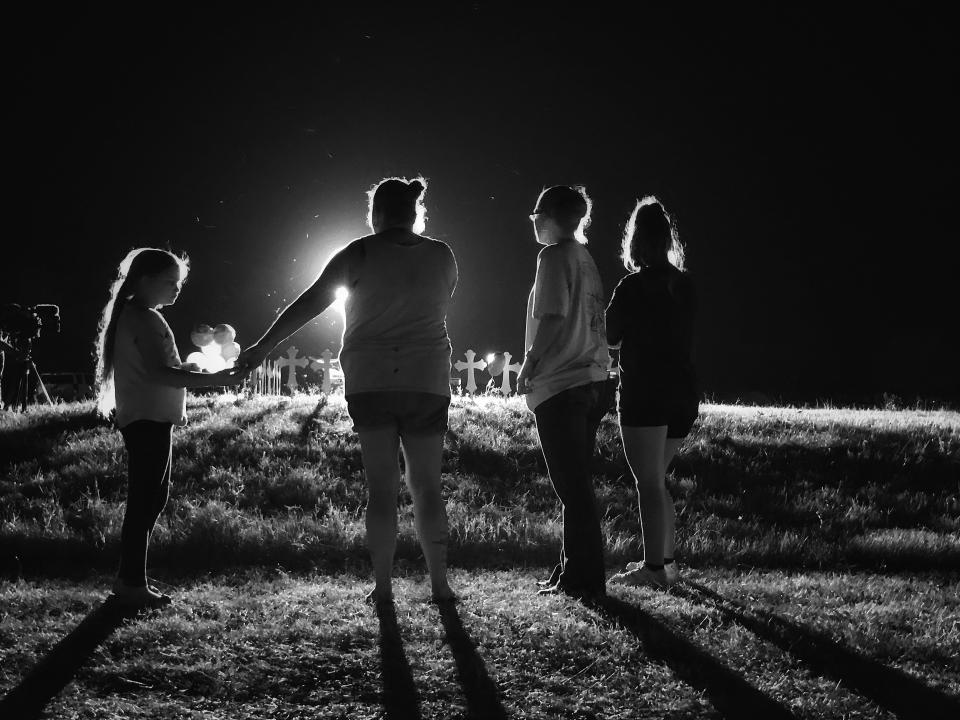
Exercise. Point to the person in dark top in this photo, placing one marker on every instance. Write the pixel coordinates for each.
(651, 318)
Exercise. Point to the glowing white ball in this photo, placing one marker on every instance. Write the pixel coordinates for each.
(495, 363)
(223, 334)
(202, 336)
(230, 351)
(211, 350)
(215, 363)
(198, 359)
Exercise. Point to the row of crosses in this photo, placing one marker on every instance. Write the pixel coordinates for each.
(502, 370)
(267, 379)
(268, 376)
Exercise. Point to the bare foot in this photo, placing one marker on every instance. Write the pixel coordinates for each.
(138, 595)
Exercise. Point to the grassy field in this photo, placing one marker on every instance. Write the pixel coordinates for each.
(820, 550)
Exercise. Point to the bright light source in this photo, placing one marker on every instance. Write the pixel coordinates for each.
(341, 298)
(490, 357)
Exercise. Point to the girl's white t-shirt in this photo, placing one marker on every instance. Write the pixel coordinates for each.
(137, 396)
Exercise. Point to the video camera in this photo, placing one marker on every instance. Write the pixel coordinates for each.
(22, 324)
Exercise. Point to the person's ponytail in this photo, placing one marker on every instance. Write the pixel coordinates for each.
(139, 263)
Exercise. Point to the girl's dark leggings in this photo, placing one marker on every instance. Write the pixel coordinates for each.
(149, 455)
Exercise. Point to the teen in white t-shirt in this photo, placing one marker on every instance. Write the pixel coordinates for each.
(564, 377)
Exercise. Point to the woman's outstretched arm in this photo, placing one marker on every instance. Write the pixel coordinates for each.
(313, 301)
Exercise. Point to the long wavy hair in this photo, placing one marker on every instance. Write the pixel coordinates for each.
(651, 237)
(139, 263)
(399, 202)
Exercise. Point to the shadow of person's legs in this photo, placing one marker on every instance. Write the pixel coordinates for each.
(401, 701)
(905, 696)
(729, 693)
(61, 664)
(483, 696)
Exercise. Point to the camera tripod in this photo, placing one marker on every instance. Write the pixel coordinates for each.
(26, 366)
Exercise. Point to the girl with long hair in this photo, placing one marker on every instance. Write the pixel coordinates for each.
(141, 383)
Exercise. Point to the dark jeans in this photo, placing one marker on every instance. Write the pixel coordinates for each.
(149, 457)
(567, 425)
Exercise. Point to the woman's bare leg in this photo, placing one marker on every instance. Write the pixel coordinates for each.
(422, 454)
(644, 448)
(670, 448)
(381, 465)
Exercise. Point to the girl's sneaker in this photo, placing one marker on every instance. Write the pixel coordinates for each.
(642, 576)
(672, 571)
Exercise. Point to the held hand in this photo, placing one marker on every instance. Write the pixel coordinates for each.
(233, 376)
(524, 379)
(252, 357)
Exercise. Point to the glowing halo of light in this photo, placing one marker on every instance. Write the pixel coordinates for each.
(495, 363)
(339, 303)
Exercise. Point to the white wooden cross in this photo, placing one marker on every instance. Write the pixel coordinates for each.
(292, 362)
(325, 365)
(507, 369)
(470, 366)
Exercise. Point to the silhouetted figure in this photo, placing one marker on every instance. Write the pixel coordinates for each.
(564, 377)
(651, 317)
(396, 367)
(141, 378)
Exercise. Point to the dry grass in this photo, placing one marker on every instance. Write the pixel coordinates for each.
(821, 546)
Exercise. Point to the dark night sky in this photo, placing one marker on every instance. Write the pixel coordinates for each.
(810, 160)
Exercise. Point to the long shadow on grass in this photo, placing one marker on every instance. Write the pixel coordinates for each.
(61, 664)
(312, 422)
(730, 694)
(401, 701)
(903, 695)
(482, 693)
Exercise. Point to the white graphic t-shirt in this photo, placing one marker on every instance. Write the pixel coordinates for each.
(567, 284)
